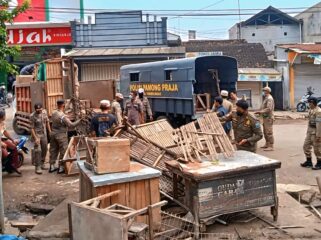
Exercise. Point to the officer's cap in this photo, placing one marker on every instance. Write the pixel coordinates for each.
(119, 95)
(60, 101)
(242, 104)
(38, 106)
(313, 100)
(267, 89)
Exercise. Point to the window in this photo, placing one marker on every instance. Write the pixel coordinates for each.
(285, 33)
(168, 75)
(253, 34)
(134, 77)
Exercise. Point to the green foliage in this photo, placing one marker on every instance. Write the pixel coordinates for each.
(6, 17)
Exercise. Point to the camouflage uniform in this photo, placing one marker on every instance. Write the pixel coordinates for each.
(116, 111)
(268, 119)
(245, 127)
(133, 110)
(313, 132)
(38, 122)
(58, 137)
(146, 108)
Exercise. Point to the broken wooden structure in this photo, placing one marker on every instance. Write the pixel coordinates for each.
(91, 220)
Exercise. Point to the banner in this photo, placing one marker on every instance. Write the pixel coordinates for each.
(39, 36)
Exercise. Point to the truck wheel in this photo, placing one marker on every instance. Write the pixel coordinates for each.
(16, 128)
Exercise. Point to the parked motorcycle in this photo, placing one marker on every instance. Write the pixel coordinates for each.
(5, 98)
(303, 105)
(22, 150)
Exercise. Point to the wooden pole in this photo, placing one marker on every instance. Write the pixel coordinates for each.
(319, 183)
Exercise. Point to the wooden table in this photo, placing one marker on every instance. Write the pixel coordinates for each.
(242, 182)
(139, 187)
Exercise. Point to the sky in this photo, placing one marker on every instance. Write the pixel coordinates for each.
(207, 27)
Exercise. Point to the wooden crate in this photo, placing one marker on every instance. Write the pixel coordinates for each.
(109, 155)
(139, 187)
(23, 98)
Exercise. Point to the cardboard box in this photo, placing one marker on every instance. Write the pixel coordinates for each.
(109, 155)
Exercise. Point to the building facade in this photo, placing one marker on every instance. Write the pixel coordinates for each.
(300, 67)
(269, 27)
(311, 24)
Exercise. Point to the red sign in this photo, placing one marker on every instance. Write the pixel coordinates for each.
(35, 13)
(40, 36)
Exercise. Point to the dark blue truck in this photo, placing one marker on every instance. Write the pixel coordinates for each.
(181, 89)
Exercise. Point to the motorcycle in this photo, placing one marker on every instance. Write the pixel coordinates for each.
(5, 98)
(22, 150)
(303, 105)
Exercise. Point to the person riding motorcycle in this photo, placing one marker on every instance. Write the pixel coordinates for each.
(8, 144)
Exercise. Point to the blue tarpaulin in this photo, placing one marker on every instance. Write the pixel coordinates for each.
(10, 237)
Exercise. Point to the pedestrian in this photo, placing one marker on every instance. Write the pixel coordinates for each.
(102, 122)
(58, 136)
(221, 112)
(313, 136)
(226, 103)
(147, 110)
(246, 127)
(39, 125)
(134, 109)
(267, 113)
(8, 144)
(116, 108)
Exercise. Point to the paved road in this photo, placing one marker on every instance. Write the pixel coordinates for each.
(289, 138)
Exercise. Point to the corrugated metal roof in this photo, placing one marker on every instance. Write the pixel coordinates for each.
(125, 51)
(268, 71)
(302, 48)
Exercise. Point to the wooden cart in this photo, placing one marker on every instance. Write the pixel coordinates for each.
(242, 182)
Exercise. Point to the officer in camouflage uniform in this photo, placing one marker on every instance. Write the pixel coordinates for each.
(58, 136)
(39, 123)
(266, 112)
(313, 137)
(147, 110)
(134, 109)
(247, 128)
(116, 108)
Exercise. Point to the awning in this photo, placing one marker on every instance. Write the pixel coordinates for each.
(259, 75)
(94, 53)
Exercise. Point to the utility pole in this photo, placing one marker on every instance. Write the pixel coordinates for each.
(239, 25)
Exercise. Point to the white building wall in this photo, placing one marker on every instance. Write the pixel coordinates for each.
(233, 31)
(311, 29)
(270, 35)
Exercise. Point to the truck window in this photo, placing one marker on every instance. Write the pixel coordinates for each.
(134, 77)
(168, 75)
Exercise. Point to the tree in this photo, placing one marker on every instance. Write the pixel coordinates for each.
(7, 15)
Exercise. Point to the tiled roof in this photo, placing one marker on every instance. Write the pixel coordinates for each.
(248, 55)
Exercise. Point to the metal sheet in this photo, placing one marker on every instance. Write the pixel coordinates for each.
(137, 172)
(103, 89)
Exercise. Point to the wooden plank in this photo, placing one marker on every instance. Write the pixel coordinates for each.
(154, 198)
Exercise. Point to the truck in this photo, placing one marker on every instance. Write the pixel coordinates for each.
(52, 80)
(181, 89)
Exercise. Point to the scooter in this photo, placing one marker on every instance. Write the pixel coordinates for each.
(22, 150)
(303, 105)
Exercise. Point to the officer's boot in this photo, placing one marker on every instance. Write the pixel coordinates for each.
(38, 162)
(269, 147)
(52, 168)
(43, 166)
(318, 165)
(265, 145)
(307, 163)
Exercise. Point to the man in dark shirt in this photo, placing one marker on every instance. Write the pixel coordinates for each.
(103, 121)
(221, 112)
